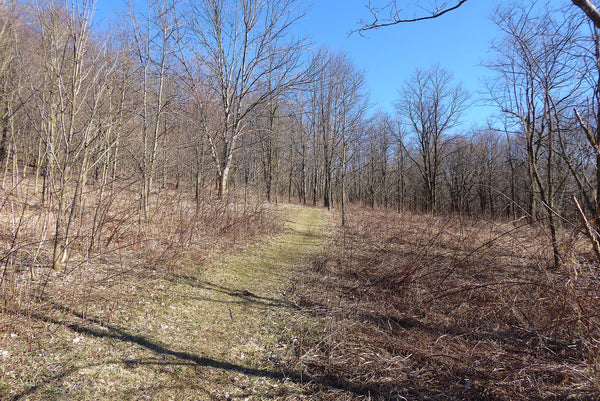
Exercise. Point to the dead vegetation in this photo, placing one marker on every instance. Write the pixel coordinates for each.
(113, 258)
(400, 306)
(449, 308)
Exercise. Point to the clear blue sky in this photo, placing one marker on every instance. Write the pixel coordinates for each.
(459, 41)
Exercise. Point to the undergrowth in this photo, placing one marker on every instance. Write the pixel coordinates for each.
(423, 307)
(114, 255)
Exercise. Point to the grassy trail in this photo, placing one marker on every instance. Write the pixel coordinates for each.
(211, 335)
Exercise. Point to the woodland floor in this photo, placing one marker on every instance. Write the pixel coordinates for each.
(394, 307)
(215, 333)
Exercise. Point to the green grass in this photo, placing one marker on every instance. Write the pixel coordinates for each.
(200, 333)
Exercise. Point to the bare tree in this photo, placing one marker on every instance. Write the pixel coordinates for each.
(242, 43)
(459, 169)
(590, 10)
(155, 36)
(273, 120)
(487, 157)
(300, 142)
(537, 72)
(401, 156)
(74, 68)
(8, 76)
(431, 106)
(337, 102)
(393, 13)
(378, 133)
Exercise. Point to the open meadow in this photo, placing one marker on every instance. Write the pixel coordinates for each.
(227, 200)
(232, 300)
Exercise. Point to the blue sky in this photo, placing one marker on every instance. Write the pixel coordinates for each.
(458, 41)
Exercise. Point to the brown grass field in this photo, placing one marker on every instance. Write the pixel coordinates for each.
(417, 307)
(50, 321)
(395, 306)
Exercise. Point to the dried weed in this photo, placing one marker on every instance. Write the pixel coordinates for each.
(450, 308)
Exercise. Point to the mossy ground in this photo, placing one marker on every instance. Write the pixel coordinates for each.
(211, 332)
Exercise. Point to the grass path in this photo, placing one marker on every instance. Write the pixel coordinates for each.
(214, 334)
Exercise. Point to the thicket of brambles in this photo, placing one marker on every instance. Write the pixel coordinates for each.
(167, 126)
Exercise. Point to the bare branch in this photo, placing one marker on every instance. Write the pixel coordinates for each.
(396, 18)
(591, 233)
(590, 10)
(588, 133)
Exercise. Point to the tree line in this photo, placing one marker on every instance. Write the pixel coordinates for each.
(223, 97)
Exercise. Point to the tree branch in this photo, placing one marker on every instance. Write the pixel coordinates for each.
(397, 20)
(590, 10)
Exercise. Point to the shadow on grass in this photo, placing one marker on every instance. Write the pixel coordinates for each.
(243, 297)
(519, 340)
(52, 379)
(94, 328)
(127, 363)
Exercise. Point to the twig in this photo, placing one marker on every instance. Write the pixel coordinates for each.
(588, 228)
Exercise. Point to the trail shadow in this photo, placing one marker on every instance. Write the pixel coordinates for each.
(67, 372)
(128, 363)
(33, 389)
(94, 328)
(243, 297)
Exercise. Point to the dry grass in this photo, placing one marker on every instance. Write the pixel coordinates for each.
(398, 306)
(448, 308)
(117, 267)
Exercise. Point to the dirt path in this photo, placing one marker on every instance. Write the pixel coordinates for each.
(214, 335)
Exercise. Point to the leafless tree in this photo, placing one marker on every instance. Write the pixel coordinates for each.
(74, 69)
(155, 35)
(590, 10)
(241, 44)
(379, 132)
(393, 13)
(337, 103)
(537, 88)
(431, 105)
(8, 76)
(459, 169)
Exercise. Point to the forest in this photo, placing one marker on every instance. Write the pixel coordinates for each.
(189, 127)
